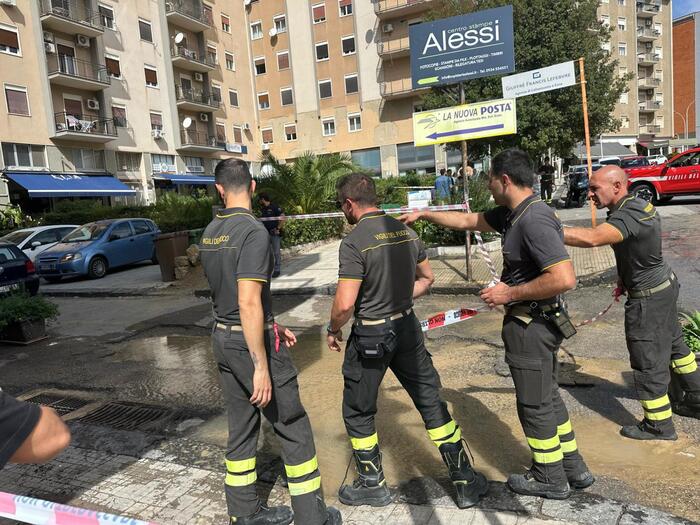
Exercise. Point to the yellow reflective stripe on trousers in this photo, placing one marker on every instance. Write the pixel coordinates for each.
(657, 416)
(565, 428)
(304, 487)
(543, 444)
(241, 480)
(548, 457)
(365, 443)
(683, 361)
(443, 431)
(302, 469)
(454, 438)
(687, 369)
(240, 465)
(655, 403)
(568, 447)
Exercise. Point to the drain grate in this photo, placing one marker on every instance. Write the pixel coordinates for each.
(127, 416)
(61, 404)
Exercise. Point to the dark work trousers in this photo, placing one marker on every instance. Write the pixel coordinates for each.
(410, 362)
(288, 418)
(531, 353)
(655, 341)
(546, 191)
(275, 244)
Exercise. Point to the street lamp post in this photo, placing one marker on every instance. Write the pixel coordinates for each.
(685, 124)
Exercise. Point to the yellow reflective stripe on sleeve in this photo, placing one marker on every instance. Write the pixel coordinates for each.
(556, 263)
(252, 279)
(240, 465)
(658, 416)
(454, 438)
(543, 444)
(443, 431)
(568, 446)
(548, 457)
(687, 369)
(349, 279)
(364, 443)
(241, 480)
(655, 403)
(565, 428)
(304, 487)
(302, 469)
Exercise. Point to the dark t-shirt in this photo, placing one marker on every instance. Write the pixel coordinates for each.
(383, 253)
(17, 421)
(532, 239)
(235, 246)
(546, 174)
(271, 211)
(640, 263)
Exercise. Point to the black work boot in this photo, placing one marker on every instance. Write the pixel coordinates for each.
(527, 485)
(281, 515)
(580, 481)
(577, 473)
(334, 517)
(645, 430)
(370, 487)
(469, 484)
(689, 407)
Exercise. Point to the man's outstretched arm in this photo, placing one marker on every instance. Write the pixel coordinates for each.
(602, 235)
(454, 220)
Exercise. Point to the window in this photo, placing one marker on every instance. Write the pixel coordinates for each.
(121, 231)
(354, 122)
(622, 49)
(162, 163)
(156, 121)
(348, 43)
(622, 71)
(606, 46)
(658, 29)
(17, 100)
(280, 23)
(212, 54)
(9, 40)
(325, 89)
(23, 155)
(87, 159)
(119, 116)
(106, 16)
(605, 20)
(225, 23)
(151, 76)
(328, 127)
(287, 96)
(260, 68)
(237, 134)
(624, 98)
(140, 227)
(283, 60)
(221, 133)
(208, 14)
(263, 101)
(351, 85)
(267, 136)
(658, 52)
(216, 93)
(345, 7)
(256, 31)
(233, 97)
(145, 30)
(322, 51)
(319, 13)
(230, 62)
(113, 67)
(128, 161)
(622, 23)
(621, 3)
(194, 164)
(290, 132)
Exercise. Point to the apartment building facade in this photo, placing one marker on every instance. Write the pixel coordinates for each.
(686, 73)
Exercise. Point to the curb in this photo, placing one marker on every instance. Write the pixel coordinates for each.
(151, 292)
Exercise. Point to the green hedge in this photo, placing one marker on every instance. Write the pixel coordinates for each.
(311, 230)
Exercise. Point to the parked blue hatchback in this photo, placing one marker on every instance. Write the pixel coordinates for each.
(94, 248)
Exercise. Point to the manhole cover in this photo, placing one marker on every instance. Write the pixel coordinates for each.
(127, 416)
(61, 404)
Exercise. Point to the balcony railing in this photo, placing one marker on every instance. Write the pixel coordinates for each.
(650, 128)
(194, 56)
(71, 10)
(74, 67)
(199, 138)
(647, 32)
(384, 6)
(649, 105)
(648, 58)
(649, 82)
(400, 87)
(392, 46)
(87, 124)
(196, 96)
(648, 7)
(191, 9)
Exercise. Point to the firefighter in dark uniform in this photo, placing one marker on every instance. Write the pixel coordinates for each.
(256, 370)
(653, 333)
(536, 270)
(546, 172)
(383, 268)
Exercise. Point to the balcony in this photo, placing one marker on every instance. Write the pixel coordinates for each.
(72, 72)
(192, 60)
(402, 88)
(71, 17)
(647, 9)
(84, 128)
(394, 47)
(649, 106)
(199, 141)
(647, 34)
(648, 83)
(649, 129)
(392, 8)
(188, 15)
(648, 59)
(195, 99)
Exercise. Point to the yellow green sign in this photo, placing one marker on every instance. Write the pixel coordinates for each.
(467, 122)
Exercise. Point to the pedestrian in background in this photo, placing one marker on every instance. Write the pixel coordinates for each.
(443, 186)
(546, 173)
(268, 209)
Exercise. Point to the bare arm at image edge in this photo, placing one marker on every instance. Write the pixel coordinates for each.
(48, 439)
(252, 321)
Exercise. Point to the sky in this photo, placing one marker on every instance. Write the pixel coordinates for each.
(683, 7)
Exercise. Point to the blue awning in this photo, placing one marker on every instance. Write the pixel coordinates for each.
(185, 179)
(70, 185)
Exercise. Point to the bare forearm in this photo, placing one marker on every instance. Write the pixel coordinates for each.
(454, 220)
(581, 237)
(421, 287)
(543, 287)
(252, 321)
(339, 316)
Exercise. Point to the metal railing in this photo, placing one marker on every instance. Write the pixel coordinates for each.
(649, 105)
(394, 45)
(87, 124)
(651, 82)
(196, 96)
(194, 56)
(192, 9)
(74, 67)
(397, 87)
(199, 138)
(650, 128)
(647, 32)
(383, 6)
(72, 10)
(648, 57)
(648, 7)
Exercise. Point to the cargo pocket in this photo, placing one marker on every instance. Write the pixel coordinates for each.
(281, 364)
(286, 397)
(528, 379)
(352, 368)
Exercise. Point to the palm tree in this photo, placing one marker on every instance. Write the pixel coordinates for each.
(307, 185)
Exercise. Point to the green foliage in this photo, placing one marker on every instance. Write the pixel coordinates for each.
(11, 217)
(691, 330)
(546, 32)
(311, 230)
(21, 307)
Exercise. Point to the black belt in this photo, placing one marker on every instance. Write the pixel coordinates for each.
(638, 294)
(530, 308)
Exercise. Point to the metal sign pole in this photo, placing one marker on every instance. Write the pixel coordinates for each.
(588, 136)
(465, 185)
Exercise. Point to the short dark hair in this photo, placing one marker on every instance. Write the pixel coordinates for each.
(357, 187)
(516, 164)
(233, 175)
(546, 159)
(442, 171)
(264, 196)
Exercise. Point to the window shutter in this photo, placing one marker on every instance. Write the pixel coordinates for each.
(221, 133)
(283, 61)
(151, 76)
(17, 101)
(73, 107)
(237, 135)
(267, 136)
(344, 3)
(319, 12)
(156, 120)
(9, 38)
(113, 67)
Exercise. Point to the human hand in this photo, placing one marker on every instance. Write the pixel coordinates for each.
(410, 218)
(286, 336)
(498, 294)
(333, 339)
(262, 388)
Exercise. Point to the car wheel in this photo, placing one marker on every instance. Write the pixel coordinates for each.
(52, 279)
(645, 191)
(97, 268)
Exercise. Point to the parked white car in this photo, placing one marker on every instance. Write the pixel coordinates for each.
(657, 159)
(33, 241)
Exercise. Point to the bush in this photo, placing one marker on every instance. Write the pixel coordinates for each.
(311, 230)
(21, 307)
(691, 330)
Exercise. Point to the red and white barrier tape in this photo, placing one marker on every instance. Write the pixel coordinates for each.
(447, 318)
(41, 512)
(389, 211)
(617, 292)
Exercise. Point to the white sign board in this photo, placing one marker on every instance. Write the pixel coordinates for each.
(539, 80)
(418, 199)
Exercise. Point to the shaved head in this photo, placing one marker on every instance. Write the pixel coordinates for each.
(611, 174)
(607, 186)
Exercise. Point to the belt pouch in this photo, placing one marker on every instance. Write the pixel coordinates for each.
(372, 342)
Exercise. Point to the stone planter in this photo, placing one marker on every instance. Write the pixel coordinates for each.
(24, 332)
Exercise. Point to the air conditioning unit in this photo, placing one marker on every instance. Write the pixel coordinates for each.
(246, 126)
(48, 36)
(650, 92)
(388, 28)
(50, 48)
(82, 40)
(12, 3)
(60, 126)
(266, 147)
(195, 169)
(199, 77)
(158, 133)
(93, 103)
(204, 117)
(273, 32)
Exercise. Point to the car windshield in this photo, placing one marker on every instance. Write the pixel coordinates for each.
(89, 232)
(17, 237)
(633, 163)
